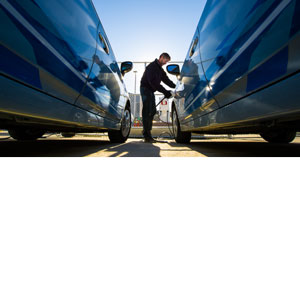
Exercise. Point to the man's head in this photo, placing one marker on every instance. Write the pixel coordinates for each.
(164, 59)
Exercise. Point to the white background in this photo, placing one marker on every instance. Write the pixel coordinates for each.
(149, 227)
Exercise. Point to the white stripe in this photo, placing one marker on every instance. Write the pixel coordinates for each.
(266, 23)
(40, 38)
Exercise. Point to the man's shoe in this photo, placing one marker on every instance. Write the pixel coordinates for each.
(150, 140)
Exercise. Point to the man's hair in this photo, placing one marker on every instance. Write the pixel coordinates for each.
(165, 55)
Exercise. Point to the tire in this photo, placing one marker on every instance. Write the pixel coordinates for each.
(26, 133)
(279, 136)
(68, 134)
(120, 136)
(180, 137)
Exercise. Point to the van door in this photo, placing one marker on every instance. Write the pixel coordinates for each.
(104, 92)
(195, 96)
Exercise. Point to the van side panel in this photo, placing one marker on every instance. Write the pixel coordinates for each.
(195, 99)
(52, 41)
(247, 45)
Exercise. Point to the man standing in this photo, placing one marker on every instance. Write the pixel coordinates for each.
(150, 83)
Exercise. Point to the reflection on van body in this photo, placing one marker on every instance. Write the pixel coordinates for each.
(241, 73)
(58, 70)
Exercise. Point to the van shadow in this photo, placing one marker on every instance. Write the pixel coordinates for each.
(244, 149)
(76, 148)
(103, 148)
(134, 149)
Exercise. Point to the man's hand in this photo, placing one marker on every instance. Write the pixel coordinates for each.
(168, 94)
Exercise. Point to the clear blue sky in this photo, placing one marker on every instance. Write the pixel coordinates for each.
(141, 30)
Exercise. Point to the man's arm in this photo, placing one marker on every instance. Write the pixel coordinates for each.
(154, 83)
(167, 81)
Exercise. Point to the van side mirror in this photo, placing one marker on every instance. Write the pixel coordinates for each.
(126, 67)
(173, 69)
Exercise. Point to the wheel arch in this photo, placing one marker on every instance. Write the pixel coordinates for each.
(128, 104)
(173, 107)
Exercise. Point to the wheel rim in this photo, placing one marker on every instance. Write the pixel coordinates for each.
(175, 123)
(126, 123)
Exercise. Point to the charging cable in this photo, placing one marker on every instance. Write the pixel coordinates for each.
(171, 132)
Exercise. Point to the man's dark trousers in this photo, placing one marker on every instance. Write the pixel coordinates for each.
(149, 110)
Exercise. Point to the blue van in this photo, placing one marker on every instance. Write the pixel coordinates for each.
(58, 71)
(242, 72)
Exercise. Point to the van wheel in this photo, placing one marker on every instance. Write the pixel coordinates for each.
(26, 133)
(120, 136)
(279, 136)
(180, 137)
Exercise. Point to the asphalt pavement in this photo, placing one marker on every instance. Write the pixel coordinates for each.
(99, 146)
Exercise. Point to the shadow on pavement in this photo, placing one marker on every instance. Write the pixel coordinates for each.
(103, 148)
(130, 149)
(243, 149)
(51, 148)
(76, 148)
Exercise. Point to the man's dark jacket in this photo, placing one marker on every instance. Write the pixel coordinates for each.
(153, 76)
